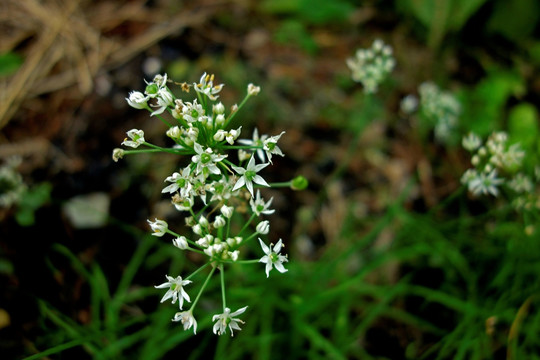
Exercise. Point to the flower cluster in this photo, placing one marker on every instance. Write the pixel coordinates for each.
(12, 186)
(440, 108)
(371, 66)
(497, 163)
(218, 182)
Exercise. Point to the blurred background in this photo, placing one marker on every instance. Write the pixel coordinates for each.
(389, 257)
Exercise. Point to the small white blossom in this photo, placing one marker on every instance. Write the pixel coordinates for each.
(253, 90)
(159, 227)
(136, 136)
(206, 86)
(187, 319)
(158, 83)
(227, 211)
(232, 135)
(249, 175)
(176, 290)
(257, 142)
(165, 99)
(174, 132)
(485, 184)
(219, 222)
(218, 108)
(183, 203)
(270, 146)
(272, 257)
(471, 142)
(521, 183)
(192, 111)
(179, 181)
(206, 159)
(137, 100)
(220, 135)
(259, 206)
(263, 227)
(409, 104)
(227, 319)
(181, 243)
(371, 66)
(117, 154)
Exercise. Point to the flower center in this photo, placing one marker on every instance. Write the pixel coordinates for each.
(181, 182)
(250, 174)
(152, 89)
(205, 158)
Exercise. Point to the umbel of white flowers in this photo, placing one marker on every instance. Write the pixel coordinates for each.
(210, 187)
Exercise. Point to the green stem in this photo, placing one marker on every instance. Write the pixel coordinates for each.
(203, 286)
(231, 116)
(222, 277)
(280, 184)
(160, 149)
(247, 224)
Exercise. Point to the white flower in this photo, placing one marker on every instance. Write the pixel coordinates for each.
(206, 160)
(273, 257)
(181, 242)
(263, 227)
(232, 135)
(117, 154)
(485, 184)
(521, 183)
(136, 136)
(206, 86)
(219, 222)
(187, 319)
(253, 90)
(227, 319)
(164, 100)
(256, 141)
(249, 175)
(159, 227)
(179, 181)
(183, 203)
(218, 108)
(471, 142)
(227, 211)
(174, 132)
(176, 290)
(158, 83)
(192, 112)
(258, 206)
(409, 104)
(270, 146)
(371, 66)
(137, 100)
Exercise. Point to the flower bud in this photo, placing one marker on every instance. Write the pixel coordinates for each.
(117, 154)
(263, 227)
(227, 211)
(181, 243)
(219, 222)
(253, 90)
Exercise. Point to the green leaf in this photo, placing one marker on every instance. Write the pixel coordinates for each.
(484, 105)
(325, 12)
(523, 128)
(32, 200)
(442, 16)
(515, 19)
(9, 63)
(293, 31)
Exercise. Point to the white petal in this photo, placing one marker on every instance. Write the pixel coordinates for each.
(264, 247)
(259, 180)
